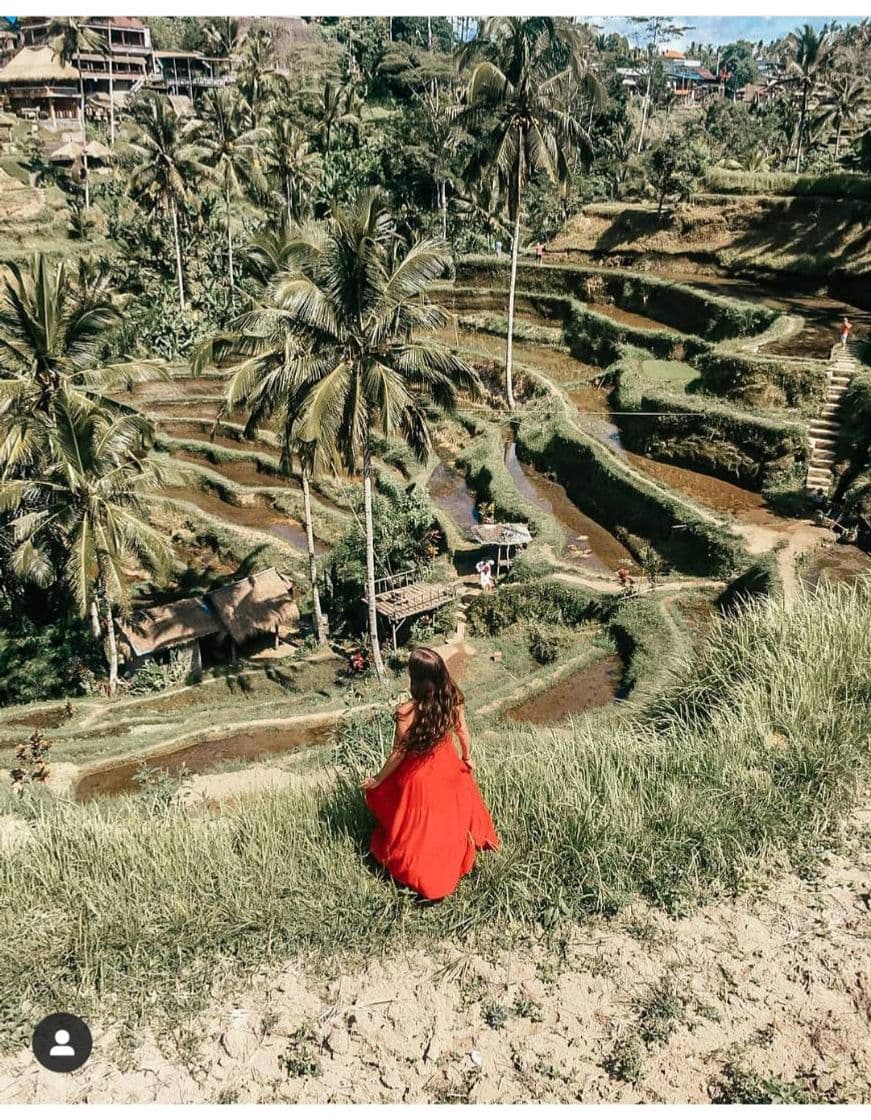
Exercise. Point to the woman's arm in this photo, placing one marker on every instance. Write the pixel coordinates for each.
(403, 722)
(462, 731)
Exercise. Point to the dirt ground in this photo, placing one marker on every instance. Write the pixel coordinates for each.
(764, 998)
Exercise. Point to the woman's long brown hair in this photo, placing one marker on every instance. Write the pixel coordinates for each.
(437, 701)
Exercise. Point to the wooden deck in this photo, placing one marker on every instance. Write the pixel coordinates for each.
(403, 596)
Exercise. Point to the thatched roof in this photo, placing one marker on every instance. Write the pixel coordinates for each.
(37, 64)
(512, 534)
(71, 151)
(255, 605)
(169, 625)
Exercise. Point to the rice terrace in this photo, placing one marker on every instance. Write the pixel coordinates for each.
(539, 343)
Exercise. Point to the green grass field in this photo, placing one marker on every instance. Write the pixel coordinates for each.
(755, 754)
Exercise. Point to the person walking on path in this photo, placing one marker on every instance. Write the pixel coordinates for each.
(846, 327)
(539, 251)
(484, 568)
(431, 817)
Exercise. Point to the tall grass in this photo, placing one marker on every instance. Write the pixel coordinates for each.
(758, 752)
(837, 185)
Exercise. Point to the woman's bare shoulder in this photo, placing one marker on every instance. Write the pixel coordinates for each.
(405, 711)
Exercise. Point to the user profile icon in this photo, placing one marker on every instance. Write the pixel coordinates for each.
(62, 1042)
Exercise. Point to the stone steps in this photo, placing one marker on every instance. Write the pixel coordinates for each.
(823, 429)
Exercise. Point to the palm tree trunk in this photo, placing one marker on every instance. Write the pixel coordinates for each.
(370, 563)
(229, 239)
(838, 138)
(287, 197)
(178, 268)
(111, 646)
(644, 108)
(801, 129)
(443, 206)
(320, 627)
(512, 286)
(95, 619)
(111, 94)
(84, 134)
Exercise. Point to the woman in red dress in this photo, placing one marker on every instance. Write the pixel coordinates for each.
(431, 816)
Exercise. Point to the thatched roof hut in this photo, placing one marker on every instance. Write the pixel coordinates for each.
(73, 149)
(258, 605)
(512, 534)
(37, 64)
(170, 625)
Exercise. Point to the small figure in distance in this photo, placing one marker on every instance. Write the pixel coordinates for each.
(498, 248)
(627, 583)
(846, 327)
(539, 251)
(484, 568)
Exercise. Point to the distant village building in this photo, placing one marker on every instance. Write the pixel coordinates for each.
(687, 77)
(258, 607)
(37, 85)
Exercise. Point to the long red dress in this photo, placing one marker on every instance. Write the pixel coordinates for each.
(431, 819)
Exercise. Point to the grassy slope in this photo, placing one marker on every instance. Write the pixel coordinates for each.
(746, 758)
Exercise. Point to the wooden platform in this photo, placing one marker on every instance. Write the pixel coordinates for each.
(404, 595)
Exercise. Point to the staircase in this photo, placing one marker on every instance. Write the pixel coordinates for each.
(823, 430)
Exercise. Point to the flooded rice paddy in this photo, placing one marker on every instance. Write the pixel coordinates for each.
(593, 687)
(254, 516)
(839, 563)
(589, 544)
(242, 471)
(201, 757)
(447, 488)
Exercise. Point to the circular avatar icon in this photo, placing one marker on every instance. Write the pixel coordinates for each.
(62, 1042)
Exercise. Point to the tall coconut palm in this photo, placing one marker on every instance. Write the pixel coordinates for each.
(229, 144)
(54, 326)
(360, 309)
(168, 166)
(87, 505)
(256, 67)
(68, 37)
(288, 157)
(810, 54)
(844, 101)
(442, 138)
(521, 73)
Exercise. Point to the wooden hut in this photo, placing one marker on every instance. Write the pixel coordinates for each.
(178, 625)
(505, 537)
(257, 606)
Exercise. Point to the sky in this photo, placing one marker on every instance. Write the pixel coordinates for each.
(724, 29)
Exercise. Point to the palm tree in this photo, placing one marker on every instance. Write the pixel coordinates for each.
(442, 140)
(340, 105)
(522, 70)
(68, 37)
(53, 330)
(229, 145)
(255, 67)
(268, 381)
(88, 505)
(810, 53)
(169, 166)
(844, 101)
(224, 35)
(287, 155)
(359, 309)
(484, 203)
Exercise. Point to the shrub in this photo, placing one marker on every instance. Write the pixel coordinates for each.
(760, 580)
(41, 662)
(157, 676)
(545, 604)
(544, 645)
